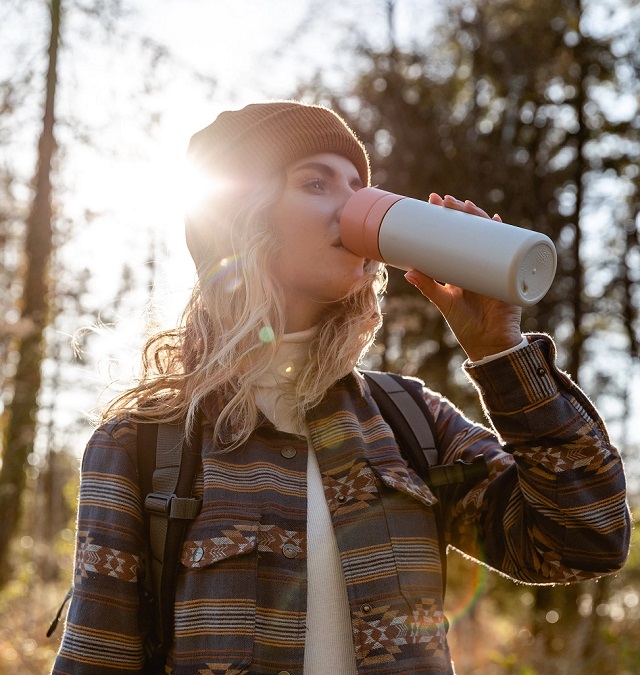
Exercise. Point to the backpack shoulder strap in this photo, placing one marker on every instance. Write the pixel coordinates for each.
(167, 463)
(404, 409)
(406, 419)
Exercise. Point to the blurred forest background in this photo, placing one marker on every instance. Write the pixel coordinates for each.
(530, 108)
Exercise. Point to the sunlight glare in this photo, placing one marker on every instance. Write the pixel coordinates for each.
(199, 188)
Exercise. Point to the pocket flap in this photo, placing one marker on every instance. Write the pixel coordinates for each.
(228, 540)
(407, 481)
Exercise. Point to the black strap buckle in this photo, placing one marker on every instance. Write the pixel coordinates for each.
(458, 472)
(172, 507)
(159, 504)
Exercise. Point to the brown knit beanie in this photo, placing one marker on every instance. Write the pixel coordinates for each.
(260, 139)
(269, 136)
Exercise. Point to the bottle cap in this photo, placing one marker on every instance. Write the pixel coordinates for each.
(361, 218)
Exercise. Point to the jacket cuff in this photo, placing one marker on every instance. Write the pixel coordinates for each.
(492, 357)
(521, 379)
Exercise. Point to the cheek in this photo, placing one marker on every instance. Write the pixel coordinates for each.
(289, 234)
(298, 239)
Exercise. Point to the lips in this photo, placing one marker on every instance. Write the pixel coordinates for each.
(339, 245)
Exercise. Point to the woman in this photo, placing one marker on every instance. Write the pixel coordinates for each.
(316, 548)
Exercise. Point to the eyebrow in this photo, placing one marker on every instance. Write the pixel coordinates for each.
(326, 170)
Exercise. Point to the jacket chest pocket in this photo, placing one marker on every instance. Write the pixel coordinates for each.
(215, 609)
(394, 574)
(409, 511)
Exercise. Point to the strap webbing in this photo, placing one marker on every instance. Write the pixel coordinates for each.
(169, 507)
(164, 482)
(412, 414)
(168, 458)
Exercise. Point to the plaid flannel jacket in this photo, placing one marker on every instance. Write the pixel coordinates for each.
(553, 510)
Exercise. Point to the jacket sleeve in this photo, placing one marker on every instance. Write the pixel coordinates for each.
(102, 632)
(553, 509)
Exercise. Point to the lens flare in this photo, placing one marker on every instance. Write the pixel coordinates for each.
(226, 270)
(266, 334)
(469, 587)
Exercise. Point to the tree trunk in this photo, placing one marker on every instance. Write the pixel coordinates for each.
(21, 424)
(558, 637)
(581, 167)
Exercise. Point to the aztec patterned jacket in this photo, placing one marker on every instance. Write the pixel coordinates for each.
(553, 510)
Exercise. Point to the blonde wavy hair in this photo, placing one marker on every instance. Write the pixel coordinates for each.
(233, 323)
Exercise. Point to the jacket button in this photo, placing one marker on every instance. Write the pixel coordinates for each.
(198, 554)
(290, 551)
(288, 452)
(366, 608)
(284, 672)
(341, 498)
(541, 372)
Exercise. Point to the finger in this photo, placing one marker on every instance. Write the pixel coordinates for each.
(476, 210)
(435, 291)
(451, 202)
(435, 198)
(467, 206)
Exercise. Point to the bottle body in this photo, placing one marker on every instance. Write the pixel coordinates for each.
(481, 255)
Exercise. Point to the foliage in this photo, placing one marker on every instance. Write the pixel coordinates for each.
(43, 559)
(512, 104)
(51, 292)
(34, 309)
(492, 628)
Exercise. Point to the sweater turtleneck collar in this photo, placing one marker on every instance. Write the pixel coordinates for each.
(290, 358)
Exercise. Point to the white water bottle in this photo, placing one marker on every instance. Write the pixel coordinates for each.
(485, 256)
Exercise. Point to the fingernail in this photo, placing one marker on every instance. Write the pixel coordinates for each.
(411, 278)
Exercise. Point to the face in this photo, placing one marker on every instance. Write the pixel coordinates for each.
(312, 266)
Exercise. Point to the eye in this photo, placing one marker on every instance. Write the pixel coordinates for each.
(316, 184)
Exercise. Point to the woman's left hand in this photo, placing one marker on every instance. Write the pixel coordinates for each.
(483, 326)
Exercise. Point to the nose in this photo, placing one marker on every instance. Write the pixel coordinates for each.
(345, 194)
